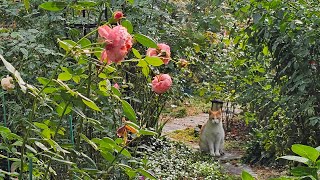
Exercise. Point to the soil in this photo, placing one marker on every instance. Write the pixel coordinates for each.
(235, 136)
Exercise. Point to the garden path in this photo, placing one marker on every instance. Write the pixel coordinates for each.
(230, 161)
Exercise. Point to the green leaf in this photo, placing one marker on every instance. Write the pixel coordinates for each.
(108, 141)
(63, 161)
(44, 81)
(132, 124)
(116, 91)
(53, 6)
(296, 158)
(147, 132)
(91, 104)
(128, 170)
(142, 63)
(104, 85)
(246, 176)
(146, 71)
(196, 47)
(87, 3)
(41, 125)
(145, 173)
(107, 155)
(131, 1)
(64, 76)
(41, 146)
(154, 61)
(89, 141)
(145, 41)
(136, 53)
(61, 108)
(85, 42)
(306, 151)
(26, 4)
(124, 151)
(265, 50)
(128, 111)
(31, 149)
(127, 24)
(304, 171)
(4, 129)
(67, 45)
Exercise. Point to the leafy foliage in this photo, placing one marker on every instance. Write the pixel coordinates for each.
(172, 160)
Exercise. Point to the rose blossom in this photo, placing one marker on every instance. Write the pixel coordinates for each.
(117, 15)
(163, 51)
(116, 85)
(161, 83)
(118, 43)
(7, 83)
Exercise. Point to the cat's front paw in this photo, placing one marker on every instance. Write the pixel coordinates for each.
(222, 153)
(217, 154)
(212, 154)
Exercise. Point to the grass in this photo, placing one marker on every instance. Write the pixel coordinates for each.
(185, 136)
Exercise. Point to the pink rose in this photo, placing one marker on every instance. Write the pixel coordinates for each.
(117, 15)
(116, 85)
(163, 51)
(161, 83)
(118, 43)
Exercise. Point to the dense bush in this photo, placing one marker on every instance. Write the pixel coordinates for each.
(280, 69)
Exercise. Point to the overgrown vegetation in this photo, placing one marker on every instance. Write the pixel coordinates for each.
(174, 160)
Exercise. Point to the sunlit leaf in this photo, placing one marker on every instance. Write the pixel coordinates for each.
(145, 40)
(53, 6)
(147, 132)
(306, 151)
(296, 158)
(128, 111)
(67, 45)
(41, 146)
(63, 110)
(154, 61)
(146, 71)
(64, 76)
(142, 63)
(136, 53)
(91, 104)
(127, 24)
(26, 4)
(246, 176)
(145, 173)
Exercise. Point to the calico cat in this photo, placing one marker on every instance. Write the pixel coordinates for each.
(212, 134)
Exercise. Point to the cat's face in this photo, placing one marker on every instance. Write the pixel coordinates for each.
(215, 116)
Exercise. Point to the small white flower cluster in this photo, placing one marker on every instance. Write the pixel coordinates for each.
(7, 83)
